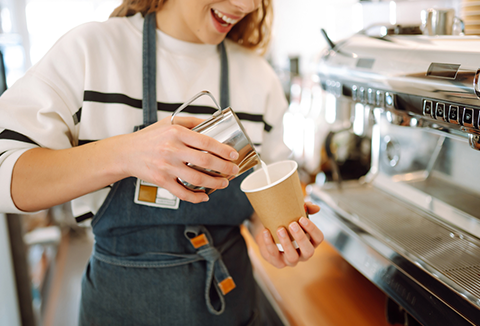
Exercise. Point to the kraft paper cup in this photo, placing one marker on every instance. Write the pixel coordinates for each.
(279, 203)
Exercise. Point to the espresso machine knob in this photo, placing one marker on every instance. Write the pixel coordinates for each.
(380, 99)
(428, 108)
(440, 111)
(389, 100)
(468, 117)
(354, 93)
(453, 114)
(361, 95)
(371, 96)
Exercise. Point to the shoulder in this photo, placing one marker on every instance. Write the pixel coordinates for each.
(99, 33)
(249, 61)
(92, 43)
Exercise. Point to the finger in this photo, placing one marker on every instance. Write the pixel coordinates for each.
(209, 144)
(184, 194)
(209, 161)
(272, 254)
(316, 236)
(200, 179)
(312, 208)
(306, 247)
(270, 244)
(187, 122)
(290, 254)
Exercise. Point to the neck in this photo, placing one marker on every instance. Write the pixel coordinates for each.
(171, 24)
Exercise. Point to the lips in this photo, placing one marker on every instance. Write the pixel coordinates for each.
(222, 23)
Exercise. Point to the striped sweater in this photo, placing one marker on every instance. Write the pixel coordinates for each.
(89, 87)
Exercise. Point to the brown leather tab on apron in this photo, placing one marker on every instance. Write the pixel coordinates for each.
(227, 285)
(199, 241)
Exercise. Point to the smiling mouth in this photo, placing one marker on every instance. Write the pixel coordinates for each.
(222, 19)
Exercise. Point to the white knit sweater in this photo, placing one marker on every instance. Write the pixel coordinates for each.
(89, 87)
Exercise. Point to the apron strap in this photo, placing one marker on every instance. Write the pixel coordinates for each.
(149, 70)
(224, 84)
(216, 269)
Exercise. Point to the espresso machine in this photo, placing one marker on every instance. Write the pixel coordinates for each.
(411, 224)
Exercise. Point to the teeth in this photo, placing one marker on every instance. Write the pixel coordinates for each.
(226, 19)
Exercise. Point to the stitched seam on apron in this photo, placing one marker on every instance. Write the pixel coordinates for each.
(158, 264)
(153, 264)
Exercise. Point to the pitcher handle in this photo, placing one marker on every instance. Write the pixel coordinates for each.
(184, 105)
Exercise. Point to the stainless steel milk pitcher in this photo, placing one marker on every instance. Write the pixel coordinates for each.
(225, 127)
(437, 21)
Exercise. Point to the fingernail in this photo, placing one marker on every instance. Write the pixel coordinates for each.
(266, 235)
(304, 221)
(206, 199)
(294, 227)
(233, 155)
(282, 232)
(225, 183)
(236, 169)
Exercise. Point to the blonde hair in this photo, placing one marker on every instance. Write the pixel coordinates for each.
(252, 32)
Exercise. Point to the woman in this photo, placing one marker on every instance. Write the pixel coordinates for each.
(69, 137)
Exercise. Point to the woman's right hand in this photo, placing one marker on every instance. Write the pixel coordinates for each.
(158, 154)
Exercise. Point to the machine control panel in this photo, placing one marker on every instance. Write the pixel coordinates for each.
(438, 110)
(452, 113)
(372, 96)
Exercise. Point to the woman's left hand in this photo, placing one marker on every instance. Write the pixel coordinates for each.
(290, 256)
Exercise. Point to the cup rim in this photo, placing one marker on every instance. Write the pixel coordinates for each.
(294, 168)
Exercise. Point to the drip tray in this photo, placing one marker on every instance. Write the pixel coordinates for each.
(453, 257)
(450, 193)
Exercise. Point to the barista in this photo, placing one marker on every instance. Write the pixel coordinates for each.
(66, 134)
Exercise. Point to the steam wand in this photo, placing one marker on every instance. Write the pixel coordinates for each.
(329, 41)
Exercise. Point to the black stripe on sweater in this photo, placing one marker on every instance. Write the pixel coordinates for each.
(13, 135)
(92, 96)
(83, 217)
(77, 116)
(85, 141)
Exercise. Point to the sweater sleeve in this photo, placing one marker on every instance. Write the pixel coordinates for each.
(40, 109)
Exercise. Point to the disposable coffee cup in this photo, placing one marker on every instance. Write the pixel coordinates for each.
(279, 202)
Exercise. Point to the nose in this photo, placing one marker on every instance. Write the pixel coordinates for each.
(246, 6)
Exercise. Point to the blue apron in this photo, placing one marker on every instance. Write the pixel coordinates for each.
(158, 266)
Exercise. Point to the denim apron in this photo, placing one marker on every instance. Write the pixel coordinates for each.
(159, 266)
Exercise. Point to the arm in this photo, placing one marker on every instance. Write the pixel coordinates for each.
(290, 256)
(43, 178)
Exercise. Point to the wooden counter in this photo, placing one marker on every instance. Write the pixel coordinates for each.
(326, 290)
